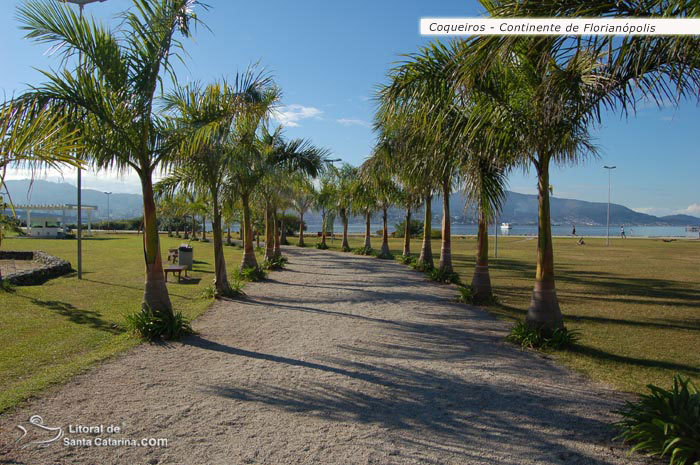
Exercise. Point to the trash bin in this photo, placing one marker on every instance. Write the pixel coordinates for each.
(185, 256)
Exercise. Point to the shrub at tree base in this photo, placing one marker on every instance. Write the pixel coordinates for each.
(321, 246)
(251, 274)
(275, 263)
(665, 423)
(363, 251)
(443, 276)
(152, 326)
(385, 256)
(409, 260)
(465, 295)
(416, 228)
(532, 338)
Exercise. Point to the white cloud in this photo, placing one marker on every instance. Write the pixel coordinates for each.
(290, 115)
(693, 209)
(354, 122)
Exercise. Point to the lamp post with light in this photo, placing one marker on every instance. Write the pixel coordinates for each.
(609, 168)
(81, 4)
(109, 218)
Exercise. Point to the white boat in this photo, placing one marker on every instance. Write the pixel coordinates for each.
(505, 225)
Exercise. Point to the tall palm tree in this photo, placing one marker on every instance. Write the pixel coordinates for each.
(110, 96)
(325, 202)
(376, 171)
(364, 202)
(344, 178)
(420, 91)
(204, 119)
(485, 183)
(303, 195)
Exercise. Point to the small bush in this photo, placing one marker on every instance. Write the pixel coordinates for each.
(322, 246)
(421, 266)
(533, 338)
(363, 251)
(208, 292)
(251, 274)
(276, 263)
(415, 228)
(153, 326)
(443, 276)
(407, 259)
(465, 294)
(385, 256)
(435, 234)
(665, 422)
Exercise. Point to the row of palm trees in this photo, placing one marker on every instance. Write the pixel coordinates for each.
(109, 110)
(464, 114)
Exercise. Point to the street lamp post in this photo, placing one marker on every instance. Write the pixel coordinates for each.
(609, 168)
(109, 218)
(81, 4)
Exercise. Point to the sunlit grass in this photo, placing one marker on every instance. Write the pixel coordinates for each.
(55, 330)
(636, 303)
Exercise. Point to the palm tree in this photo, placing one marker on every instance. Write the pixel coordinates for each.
(325, 202)
(110, 96)
(344, 178)
(32, 137)
(420, 91)
(204, 120)
(485, 182)
(364, 202)
(303, 195)
(376, 171)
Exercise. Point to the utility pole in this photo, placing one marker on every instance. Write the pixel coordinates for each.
(109, 218)
(609, 168)
(81, 4)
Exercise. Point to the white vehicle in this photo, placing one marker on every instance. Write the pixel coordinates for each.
(505, 225)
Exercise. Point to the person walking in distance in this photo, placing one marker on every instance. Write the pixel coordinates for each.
(573, 230)
(622, 232)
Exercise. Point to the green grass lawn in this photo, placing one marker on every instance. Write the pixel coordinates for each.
(55, 330)
(636, 303)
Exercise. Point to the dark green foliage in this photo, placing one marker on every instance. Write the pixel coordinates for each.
(465, 294)
(665, 423)
(409, 260)
(421, 266)
(251, 274)
(385, 256)
(6, 286)
(275, 263)
(363, 251)
(291, 224)
(443, 276)
(346, 248)
(533, 338)
(322, 246)
(416, 228)
(154, 326)
(436, 234)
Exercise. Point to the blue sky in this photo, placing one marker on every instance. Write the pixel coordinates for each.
(328, 57)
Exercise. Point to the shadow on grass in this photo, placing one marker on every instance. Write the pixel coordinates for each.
(78, 316)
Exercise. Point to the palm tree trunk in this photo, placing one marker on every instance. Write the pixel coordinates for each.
(228, 234)
(278, 235)
(204, 227)
(220, 279)
(544, 311)
(269, 233)
(446, 249)
(194, 226)
(249, 260)
(283, 231)
(301, 230)
(425, 259)
(323, 229)
(155, 296)
(407, 234)
(481, 282)
(346, 245)
(368, 232)
(385, 236)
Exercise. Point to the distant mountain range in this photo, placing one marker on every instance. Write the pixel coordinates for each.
(518, 208)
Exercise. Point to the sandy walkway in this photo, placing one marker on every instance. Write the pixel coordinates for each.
(339, 360)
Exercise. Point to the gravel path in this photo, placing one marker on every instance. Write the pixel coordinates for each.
(338, 360)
